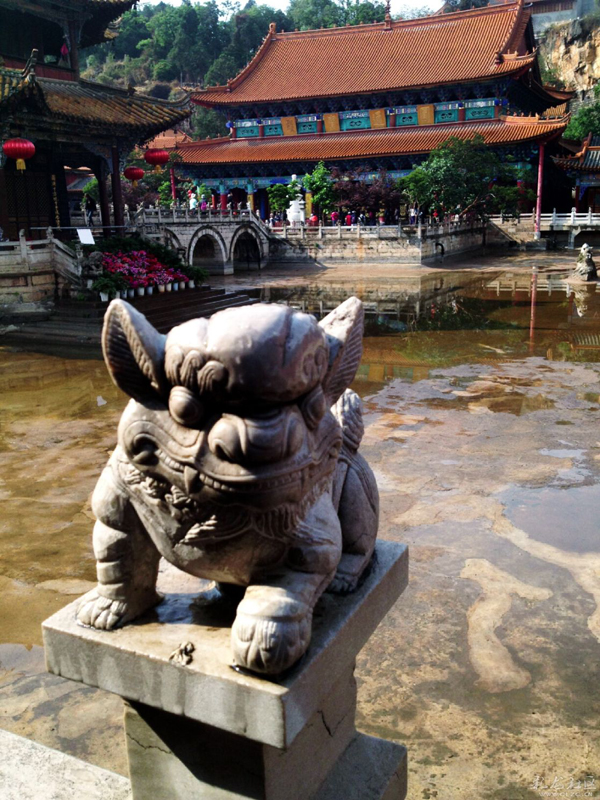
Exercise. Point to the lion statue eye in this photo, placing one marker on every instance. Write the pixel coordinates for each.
(184, 406)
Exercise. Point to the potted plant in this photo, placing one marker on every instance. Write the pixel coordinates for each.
(106, 286)
(196, 275)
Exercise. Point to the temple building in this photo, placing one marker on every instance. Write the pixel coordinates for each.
(377, 97)
(584, 167)
(71, 122)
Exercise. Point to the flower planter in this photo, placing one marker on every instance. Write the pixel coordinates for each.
(104, 297)
(191, 284)
(140, 291)
(161, 288)
(130, 293)
(169, 287)
(123, 294)
(181, 285)
(175, 286)
(149, 289)
(89, 283)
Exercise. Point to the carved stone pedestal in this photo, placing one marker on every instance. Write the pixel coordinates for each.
(205, 731)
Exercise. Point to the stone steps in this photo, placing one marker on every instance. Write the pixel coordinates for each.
(80, 323)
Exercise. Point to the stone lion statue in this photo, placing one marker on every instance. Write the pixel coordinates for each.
(586, 267)
(236, 461)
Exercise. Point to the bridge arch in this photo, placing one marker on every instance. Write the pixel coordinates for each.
(207, 249)
(249, 249)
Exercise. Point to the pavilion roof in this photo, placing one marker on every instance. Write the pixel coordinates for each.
(93, 105)
(586, 160)
(367, 143)
(170, 139)
(97, 15)
(479, 44)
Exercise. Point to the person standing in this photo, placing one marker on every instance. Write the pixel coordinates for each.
(90, 208)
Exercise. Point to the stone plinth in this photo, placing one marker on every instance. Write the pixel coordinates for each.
(205, 730)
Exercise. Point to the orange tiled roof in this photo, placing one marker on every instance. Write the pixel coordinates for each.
(464, 46)
(586, 160)
(93, 104)
(366, 143)
(169, 140)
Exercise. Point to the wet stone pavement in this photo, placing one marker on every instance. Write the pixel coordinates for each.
(486, 446)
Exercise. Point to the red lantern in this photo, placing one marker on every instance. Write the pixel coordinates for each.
(156, 157)
(134, 174)
(20, 149)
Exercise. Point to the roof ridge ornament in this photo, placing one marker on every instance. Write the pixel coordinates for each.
(29, 68)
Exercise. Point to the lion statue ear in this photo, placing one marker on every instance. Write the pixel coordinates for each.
(344, 330)
(134, 352)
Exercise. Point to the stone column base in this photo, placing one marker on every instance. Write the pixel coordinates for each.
(204, 731)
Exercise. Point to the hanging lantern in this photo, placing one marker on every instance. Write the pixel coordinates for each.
(20, 149)
(156, 157)
(134, 174)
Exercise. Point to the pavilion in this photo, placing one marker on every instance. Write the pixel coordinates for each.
(72, 122)
(378, 97)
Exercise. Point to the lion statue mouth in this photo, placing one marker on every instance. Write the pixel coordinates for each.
(200, 522)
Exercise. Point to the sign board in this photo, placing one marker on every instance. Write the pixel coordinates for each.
(85, 236)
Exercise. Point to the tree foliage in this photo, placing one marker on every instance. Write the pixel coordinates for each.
(585, 121)
(320, 185)
(282, 194)
(463, 5)
(354, 192)
(464, 176)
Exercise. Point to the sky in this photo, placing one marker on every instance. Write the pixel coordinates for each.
(397, 6)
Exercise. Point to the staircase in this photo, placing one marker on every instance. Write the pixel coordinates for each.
(79, 323)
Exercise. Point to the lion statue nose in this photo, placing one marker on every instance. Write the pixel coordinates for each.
(263, 439)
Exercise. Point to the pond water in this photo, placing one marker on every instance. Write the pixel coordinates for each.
(481, 413)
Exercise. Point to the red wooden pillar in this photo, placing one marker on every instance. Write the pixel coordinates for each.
(392, 119)
(223, 198)
(462, 113)
(213, 200)
(319, 126)
(540, 183)
(116, 190)
(233, 132)
(496, 111)
(261, 131)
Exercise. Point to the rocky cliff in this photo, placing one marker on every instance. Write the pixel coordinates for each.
(571, 53)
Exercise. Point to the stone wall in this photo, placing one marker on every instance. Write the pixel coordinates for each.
(572, 51)
(387, 248)
(451, 243)
(23, 294)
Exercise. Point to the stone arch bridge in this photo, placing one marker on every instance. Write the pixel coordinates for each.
(219, 243)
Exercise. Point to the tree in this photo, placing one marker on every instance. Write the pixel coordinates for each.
(463, 5)
(585, 121)
(282, 194)
(320, 185)
(308, 14)
(464, 176)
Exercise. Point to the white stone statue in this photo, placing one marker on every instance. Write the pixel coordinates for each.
(586, 267)
(236, 461)
(295, 212)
